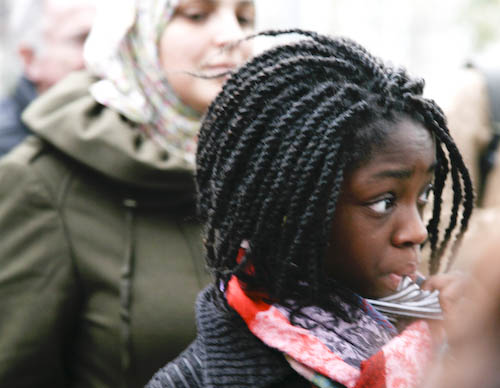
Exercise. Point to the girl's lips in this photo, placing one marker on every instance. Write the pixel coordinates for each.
(394, 280)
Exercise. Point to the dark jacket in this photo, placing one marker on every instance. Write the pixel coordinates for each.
(100, 259)
(12, 129)
(225, 354)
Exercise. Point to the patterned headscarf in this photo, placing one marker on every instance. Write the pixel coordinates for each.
(122, 50)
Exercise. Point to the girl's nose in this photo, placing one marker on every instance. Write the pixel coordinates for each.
(410, 229)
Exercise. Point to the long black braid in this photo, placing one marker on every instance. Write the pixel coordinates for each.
(275, 146)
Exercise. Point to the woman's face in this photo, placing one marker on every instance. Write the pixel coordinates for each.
(378, 227)
(193, 42)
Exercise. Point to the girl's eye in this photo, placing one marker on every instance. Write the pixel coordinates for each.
(383, 205)
(423, 199)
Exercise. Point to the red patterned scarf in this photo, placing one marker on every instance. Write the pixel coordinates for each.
(366, 353)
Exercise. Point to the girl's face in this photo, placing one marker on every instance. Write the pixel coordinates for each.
(193, 42)
(378, 227)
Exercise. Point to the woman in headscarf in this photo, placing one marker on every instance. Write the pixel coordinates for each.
(100, 253)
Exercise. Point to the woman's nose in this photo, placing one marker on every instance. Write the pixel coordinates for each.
(228, 30)
(410, 229)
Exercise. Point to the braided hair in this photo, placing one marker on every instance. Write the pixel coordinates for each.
(275, 146)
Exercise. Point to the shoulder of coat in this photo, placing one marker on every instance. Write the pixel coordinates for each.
(45, 164)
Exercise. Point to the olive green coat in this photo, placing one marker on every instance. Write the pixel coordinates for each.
(100, 259)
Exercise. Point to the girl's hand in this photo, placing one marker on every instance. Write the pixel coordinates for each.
(473, 352)
(453, 288)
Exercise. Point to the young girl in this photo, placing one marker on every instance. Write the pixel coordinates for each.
(314, 166)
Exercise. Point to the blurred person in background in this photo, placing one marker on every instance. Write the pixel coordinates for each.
(48, 37)
(473, 113)
(101, 254)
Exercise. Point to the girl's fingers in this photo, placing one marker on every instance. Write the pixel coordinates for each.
(452, 288)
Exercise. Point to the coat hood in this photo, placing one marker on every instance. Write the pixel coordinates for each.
(70, 119)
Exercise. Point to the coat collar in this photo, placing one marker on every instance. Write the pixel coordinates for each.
(233, 356)
(67, 117)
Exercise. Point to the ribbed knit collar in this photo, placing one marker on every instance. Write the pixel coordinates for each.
(233, 357)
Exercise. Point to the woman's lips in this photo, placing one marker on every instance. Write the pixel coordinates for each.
(219, 68)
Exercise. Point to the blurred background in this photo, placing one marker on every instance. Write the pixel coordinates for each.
(430, 38)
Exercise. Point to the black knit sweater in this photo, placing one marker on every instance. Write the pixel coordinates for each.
(225, 354)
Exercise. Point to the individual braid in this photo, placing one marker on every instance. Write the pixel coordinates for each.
(433, 226)
(434, 119)
(275, 146)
